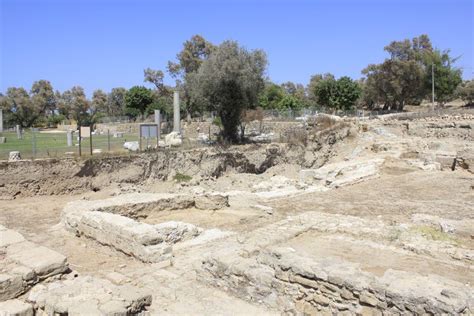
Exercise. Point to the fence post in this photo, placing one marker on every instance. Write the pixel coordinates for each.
(108, 140)
(90, 137)
(33, 138)
(80, 140)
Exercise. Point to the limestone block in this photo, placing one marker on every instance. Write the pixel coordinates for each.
(131, 146)
(43, 261)
(342, 173)
(173, 139)
(16, 308)
(148, 243)
(9, 237)
(465, 159)
(24, 263)
(14, 156)
(11, 286)
(211, 201)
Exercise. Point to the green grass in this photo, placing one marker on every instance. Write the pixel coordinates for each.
(432, 233)
(55, 144)
(181, 177)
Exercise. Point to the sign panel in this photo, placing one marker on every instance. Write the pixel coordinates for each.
(85, 131)
(149, 130)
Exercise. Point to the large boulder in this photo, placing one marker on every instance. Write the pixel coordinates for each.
(173, 139)
(14, 156)
(131, 146)
(16, 308)
(465, 159)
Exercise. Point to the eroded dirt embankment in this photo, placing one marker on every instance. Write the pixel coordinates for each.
(67, 176)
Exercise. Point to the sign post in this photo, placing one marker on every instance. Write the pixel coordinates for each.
(149, 131)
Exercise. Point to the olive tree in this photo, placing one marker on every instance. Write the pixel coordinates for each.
(230, 80)
(116, 102)
(26, 108)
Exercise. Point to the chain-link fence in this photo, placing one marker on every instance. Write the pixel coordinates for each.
(111, 137)
(33, 143)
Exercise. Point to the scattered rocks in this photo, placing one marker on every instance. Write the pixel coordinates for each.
(344, 173)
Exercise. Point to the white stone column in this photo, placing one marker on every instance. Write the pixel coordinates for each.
(158, 122)
(176, 114)
(1, 121)
(18, 131)
(69, 138)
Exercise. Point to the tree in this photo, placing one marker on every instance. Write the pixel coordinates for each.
(26, 108)
(446, 77)
(271, 96)
(406, 76)
(313, 87)
(21, 107)
(99, 104)
(195, 51)
(116, 102)
(394, 82)
(289, 101)
(137, 99)
(465, 91)
(231, 80)
(347, 93)
(79, 105)
(155, 77)
(63, 103)
(43, 97)
(288, 95)
(341, 94)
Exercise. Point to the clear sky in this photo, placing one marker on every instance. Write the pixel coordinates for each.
(107, 43)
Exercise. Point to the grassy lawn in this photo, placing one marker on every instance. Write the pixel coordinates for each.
(55, 144)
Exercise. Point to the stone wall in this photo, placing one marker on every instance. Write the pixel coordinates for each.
(281, 278)
(23, 264)
(262, 267)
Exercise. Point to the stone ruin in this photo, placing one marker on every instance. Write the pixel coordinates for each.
(112, 222)
(53, 289)
(266, 269)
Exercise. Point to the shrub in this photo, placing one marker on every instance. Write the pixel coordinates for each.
(181, 177)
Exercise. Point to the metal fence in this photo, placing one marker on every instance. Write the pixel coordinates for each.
(33, 143)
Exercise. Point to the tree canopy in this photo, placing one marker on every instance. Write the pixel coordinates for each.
(230, 80)
(406, 76)
(137, 99)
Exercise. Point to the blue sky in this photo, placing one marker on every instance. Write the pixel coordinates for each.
(107, 43)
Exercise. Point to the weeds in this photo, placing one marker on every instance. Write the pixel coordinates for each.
(181, 177)
(432, 233)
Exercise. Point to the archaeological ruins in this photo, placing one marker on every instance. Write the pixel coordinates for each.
(364, 216)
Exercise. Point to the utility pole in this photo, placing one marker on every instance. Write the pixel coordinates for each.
(432, 85)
